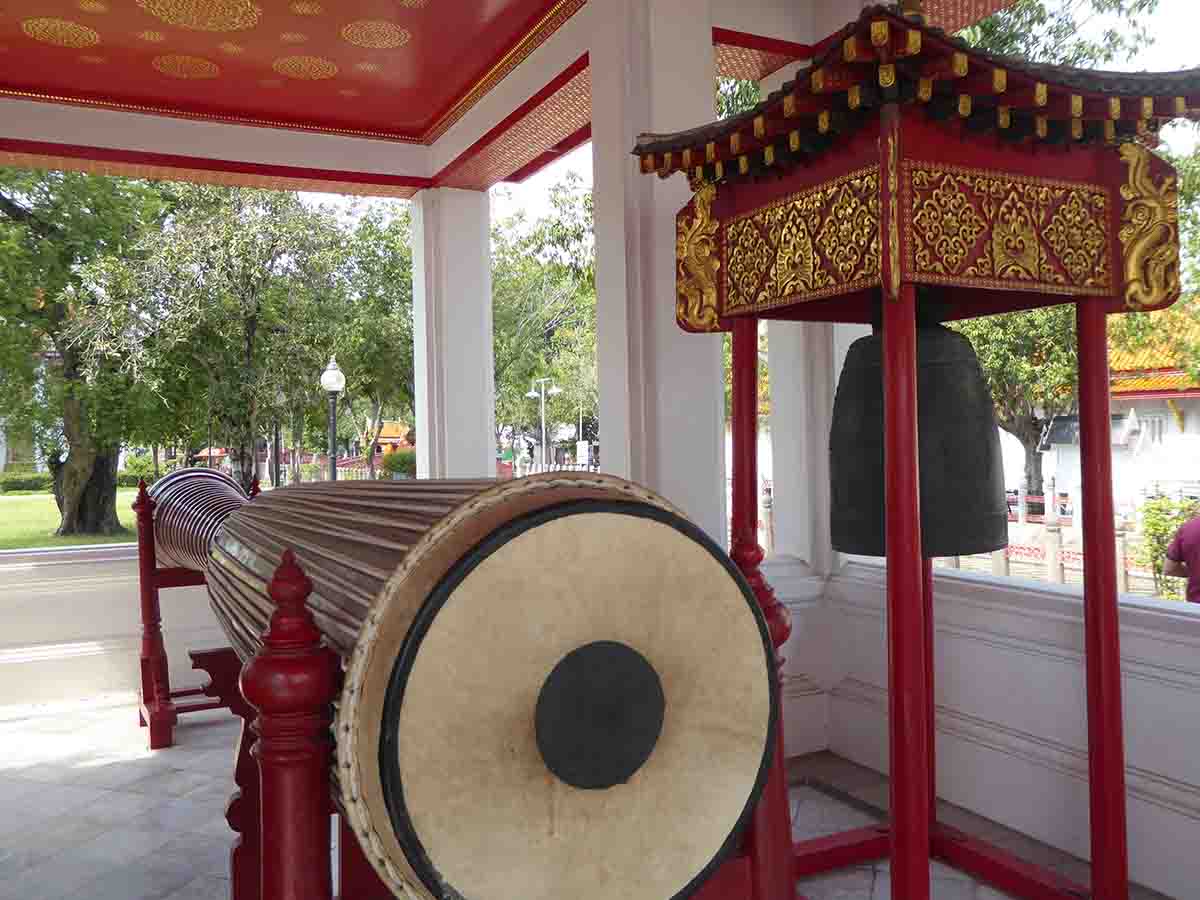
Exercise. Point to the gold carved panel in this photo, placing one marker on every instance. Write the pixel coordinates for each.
(813, 244)
(996, 230)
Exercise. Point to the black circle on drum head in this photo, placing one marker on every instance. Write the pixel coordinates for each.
(389, 760)
(599, 714)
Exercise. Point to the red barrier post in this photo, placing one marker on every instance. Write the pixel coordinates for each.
(908, 686)
(292, 682)
(1101, 620)
(155, 708)
(770, 836)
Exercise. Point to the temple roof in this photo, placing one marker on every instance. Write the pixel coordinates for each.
(1156, 366)
(885, 57)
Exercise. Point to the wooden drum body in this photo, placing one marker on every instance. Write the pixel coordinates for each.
(554, 687)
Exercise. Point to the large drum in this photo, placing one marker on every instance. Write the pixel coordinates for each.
(555, 687)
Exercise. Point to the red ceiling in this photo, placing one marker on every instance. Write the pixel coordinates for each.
(404, 69)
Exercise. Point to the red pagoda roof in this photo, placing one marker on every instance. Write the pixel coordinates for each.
(885, 57)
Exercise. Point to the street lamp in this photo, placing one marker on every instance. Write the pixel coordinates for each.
(333, 382)
(534, 394)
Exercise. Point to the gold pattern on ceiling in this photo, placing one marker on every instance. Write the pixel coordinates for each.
(992, 230)
(305, 68)
(205, 15)
(92, 6)
(60, 32)
(813, 244)
(305, 8)
(92, 59)
(368, 67)
(231, 48)
(152, 37)
(375, 34)
(178, 65)
(413, 4)
(271, 82)
(293, 37)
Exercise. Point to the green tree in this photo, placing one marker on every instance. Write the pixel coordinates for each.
(544, 312)
(1057, 31)
(235, 280)
(1161, 518)
(375, 342)
(52, 225)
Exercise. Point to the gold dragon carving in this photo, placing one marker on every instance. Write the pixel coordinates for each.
(1149, 232)
(697, 264)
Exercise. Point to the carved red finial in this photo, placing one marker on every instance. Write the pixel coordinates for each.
(255, 489)
(292, 681)
(143, 500)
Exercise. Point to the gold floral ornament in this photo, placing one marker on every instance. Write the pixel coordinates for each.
(1015, 246)
(305, 8)
(178, 65)
(92, 6)
(1075, 237)
(696, 271)
(152, 37)
(205, 15)
(816, 243)
(231, 48)
(293, 37)
(375, 34)
(60, 32)
(950, 226)
(368, 67)
(1149, 232)
(305, 68)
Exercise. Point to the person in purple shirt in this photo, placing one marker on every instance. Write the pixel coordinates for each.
(1183, 558)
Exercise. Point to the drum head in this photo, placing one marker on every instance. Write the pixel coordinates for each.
(584, 706)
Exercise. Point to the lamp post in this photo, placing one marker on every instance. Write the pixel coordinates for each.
(540, 392)
(333, 382)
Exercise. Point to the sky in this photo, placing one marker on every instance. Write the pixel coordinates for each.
(1174, 26)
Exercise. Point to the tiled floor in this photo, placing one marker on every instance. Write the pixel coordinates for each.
(87, 813)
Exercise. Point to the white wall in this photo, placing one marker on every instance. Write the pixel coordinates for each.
(72, 625)
(1011, 705)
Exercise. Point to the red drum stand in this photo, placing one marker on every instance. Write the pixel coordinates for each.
(158, 708)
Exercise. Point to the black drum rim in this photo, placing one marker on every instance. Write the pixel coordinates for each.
(389, 766)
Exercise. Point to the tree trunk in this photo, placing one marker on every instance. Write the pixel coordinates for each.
(374, 427)
(1033, 469)
(154, 453)
(85, 483)
(90, 507)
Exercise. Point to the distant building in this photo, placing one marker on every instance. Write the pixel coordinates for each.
(16, 448)
(393, 436)
(1155, 425)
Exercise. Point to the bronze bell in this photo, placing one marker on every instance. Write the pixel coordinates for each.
(963, 506)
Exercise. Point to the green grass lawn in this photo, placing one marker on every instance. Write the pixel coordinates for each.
(29, 520)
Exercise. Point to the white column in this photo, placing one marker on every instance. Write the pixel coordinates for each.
(661, 390)
(452, 334)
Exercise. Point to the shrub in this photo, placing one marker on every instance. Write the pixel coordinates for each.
(26, 481)
(1161, 518)
(142, 465)
(125, 478)
(399, 462)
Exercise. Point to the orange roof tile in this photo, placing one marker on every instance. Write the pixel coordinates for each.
(1157, 366)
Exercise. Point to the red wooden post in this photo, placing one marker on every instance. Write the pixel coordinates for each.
(255, 489)
(155, 709)
(770, 835)
(244, 809)
(908, 690)
(1106, 751)
(292, 682)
